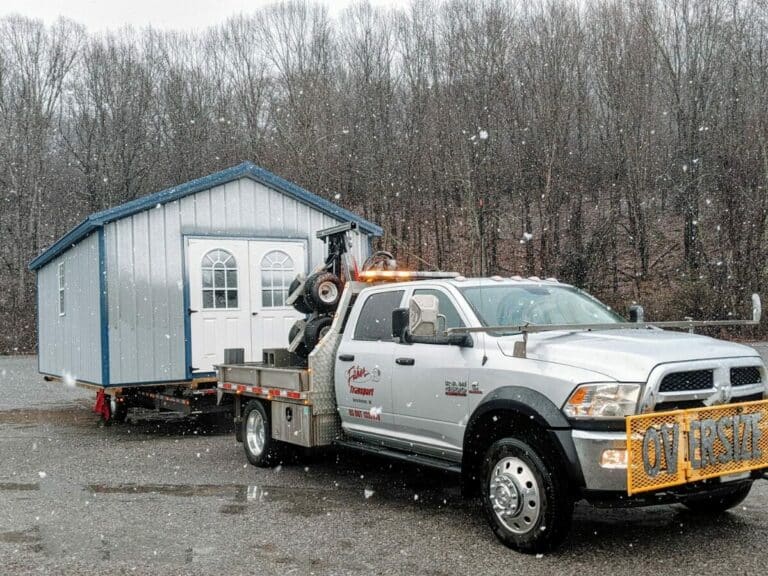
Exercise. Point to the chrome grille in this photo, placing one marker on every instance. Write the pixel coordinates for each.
(687, 381)
(743, 376)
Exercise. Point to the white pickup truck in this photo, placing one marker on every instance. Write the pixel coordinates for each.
(532, 390)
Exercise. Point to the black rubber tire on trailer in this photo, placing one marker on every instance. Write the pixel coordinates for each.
(260, 448)
(301, 349)
(525, 494)
(315, 330)
(720, 501)
(322, 292)
(300, 305)
(118, 411)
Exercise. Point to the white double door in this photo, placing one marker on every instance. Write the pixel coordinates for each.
(237, 291)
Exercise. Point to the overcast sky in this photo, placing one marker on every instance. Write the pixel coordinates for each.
(98, 15)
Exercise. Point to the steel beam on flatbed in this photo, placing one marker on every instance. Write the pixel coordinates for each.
(117, 388)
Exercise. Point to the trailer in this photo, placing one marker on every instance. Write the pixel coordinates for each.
(138, 301)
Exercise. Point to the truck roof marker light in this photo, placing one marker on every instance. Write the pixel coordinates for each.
(516, 277)
(534, 278)
(384, 275)
(552, 279)
(496, 278)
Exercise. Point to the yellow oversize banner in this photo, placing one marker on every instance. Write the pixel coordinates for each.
(671, 448)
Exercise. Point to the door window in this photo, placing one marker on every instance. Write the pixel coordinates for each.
(277, 273)
(219, 280)
(375, 321)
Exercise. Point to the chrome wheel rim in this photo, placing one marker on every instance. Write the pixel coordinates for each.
(255, 433)
(328, 292)
(515, 495)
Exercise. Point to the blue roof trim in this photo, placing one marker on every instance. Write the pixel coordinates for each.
(246, 169)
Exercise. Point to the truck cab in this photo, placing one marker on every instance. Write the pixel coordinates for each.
(535, 392)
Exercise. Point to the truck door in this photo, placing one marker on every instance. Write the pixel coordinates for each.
(430, 387)
(363, 372)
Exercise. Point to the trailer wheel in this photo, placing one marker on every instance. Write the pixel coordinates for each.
(299, 304)
(301, 349)
(525, 495)
(315, 330)
(118, 410)
(260, 448)
(322, 292)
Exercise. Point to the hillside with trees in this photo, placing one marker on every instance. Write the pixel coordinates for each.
(618, 145)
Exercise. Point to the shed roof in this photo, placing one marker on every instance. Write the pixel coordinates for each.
(244, 170)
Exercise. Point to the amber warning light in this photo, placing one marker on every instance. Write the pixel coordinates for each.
(395, 275)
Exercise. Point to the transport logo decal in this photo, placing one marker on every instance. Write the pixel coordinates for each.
(357, 375)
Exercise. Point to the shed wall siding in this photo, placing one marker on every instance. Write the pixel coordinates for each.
(145, 265)
(71, 344)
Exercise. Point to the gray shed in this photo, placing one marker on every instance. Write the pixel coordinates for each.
(152, 291)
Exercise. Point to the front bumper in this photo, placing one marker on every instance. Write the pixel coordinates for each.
(600, 480)
(590, 446)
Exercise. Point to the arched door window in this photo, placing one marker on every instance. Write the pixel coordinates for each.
(219, 280)
(277, 273)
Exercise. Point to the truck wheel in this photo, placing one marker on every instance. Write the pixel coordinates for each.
(315, 330)
(525, 496)
(322, 292)
(299, 303)
(301, 349)
(118, 411)
(260, 449)
(719, 502)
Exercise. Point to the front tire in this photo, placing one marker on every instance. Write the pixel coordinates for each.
(525, 495)
(260, 448)
(721, 501)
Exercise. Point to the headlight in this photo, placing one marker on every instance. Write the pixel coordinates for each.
(602, 401)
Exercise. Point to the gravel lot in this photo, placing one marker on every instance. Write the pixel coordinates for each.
(162, 496)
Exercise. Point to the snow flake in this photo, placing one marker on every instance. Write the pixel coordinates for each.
(368, 493)
(70, 380)
(42, 474)
(375, 410)
(483, 134)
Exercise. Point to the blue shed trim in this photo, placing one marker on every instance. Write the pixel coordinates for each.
(104, 309)
(244, 170)
(187, 307)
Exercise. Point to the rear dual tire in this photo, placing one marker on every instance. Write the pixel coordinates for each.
(260, 448)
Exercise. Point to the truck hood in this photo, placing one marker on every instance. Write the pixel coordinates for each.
(623, 355)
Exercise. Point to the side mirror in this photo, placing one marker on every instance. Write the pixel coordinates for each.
(636, 313)
(423, 312)
(399, 323)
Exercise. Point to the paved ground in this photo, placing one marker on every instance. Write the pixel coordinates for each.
(160, 497)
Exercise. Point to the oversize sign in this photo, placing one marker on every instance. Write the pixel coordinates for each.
(671, 448)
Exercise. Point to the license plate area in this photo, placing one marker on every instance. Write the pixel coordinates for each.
(666, 449)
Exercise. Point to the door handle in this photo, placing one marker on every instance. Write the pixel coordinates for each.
(346, 357)
(406, 361)
(254, 313)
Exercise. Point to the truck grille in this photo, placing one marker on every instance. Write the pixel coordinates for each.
(688, 381)
(685, 404)
(745, 376)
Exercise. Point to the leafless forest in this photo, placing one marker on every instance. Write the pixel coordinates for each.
(621, 145)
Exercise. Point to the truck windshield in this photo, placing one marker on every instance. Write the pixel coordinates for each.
(536, 304)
